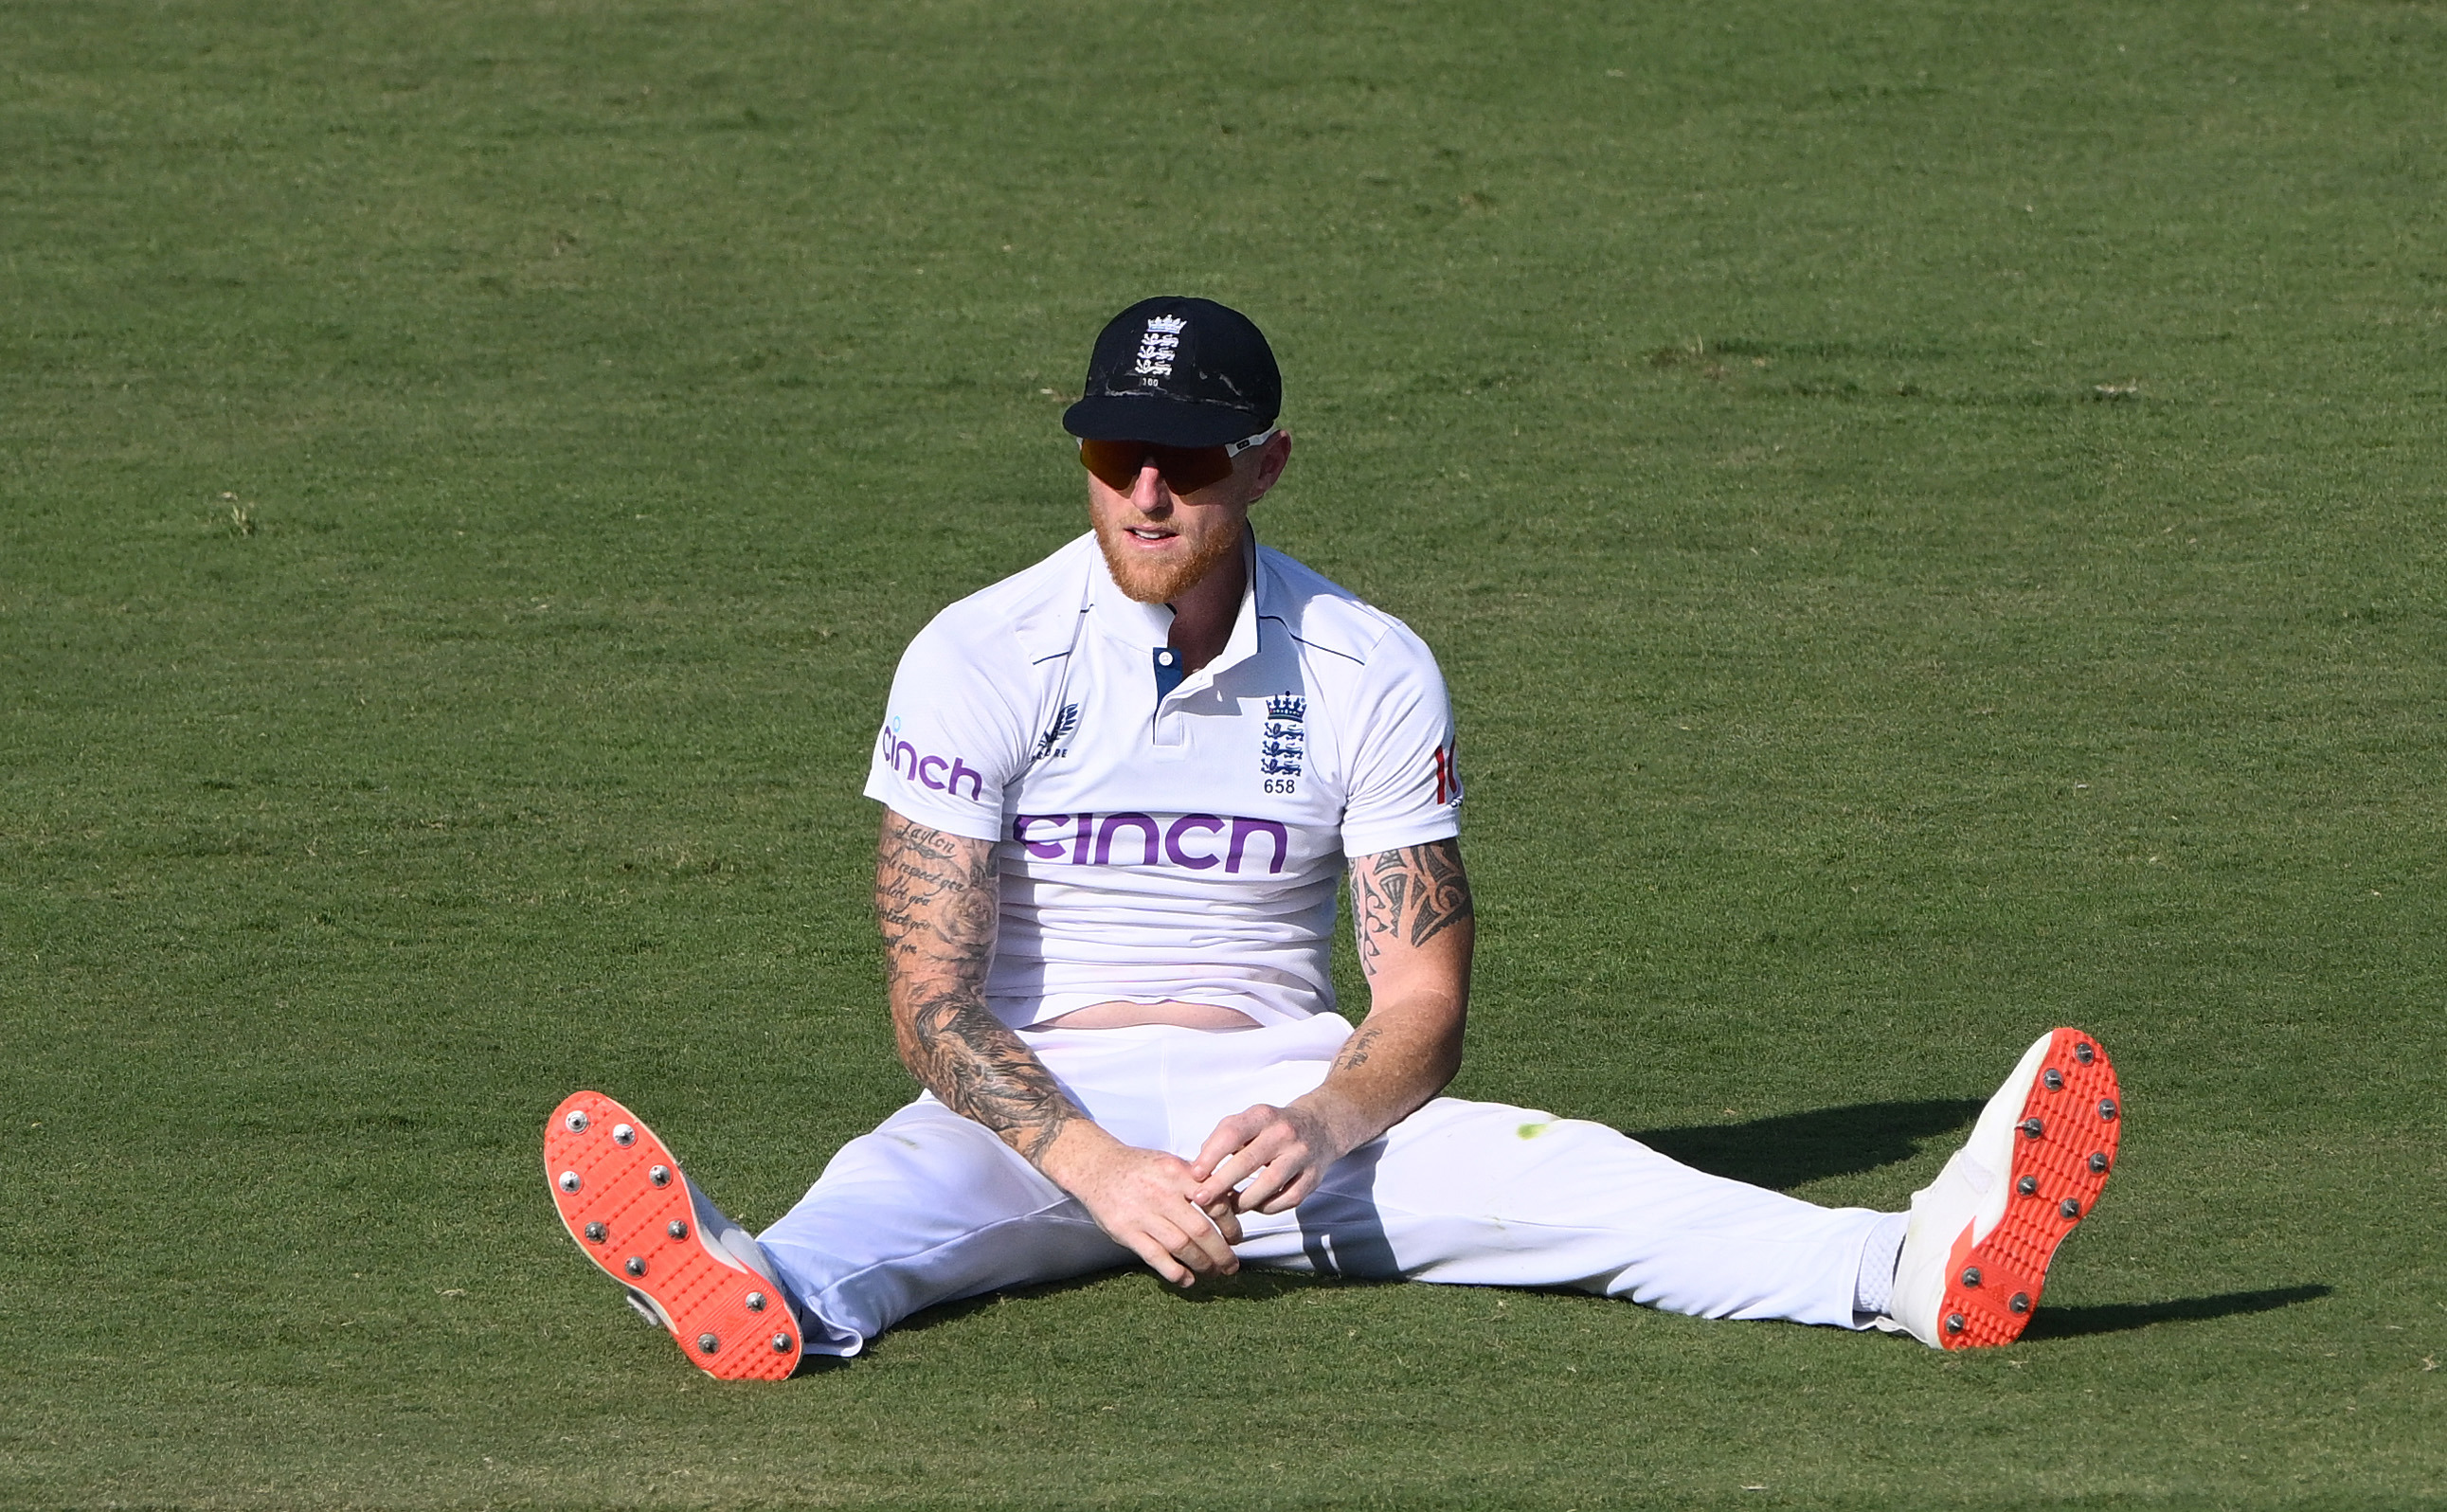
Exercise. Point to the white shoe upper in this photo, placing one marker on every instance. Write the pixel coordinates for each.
(1970, 1193)
(727, 1242)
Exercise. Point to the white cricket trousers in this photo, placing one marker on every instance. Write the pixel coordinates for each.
(930, 1207)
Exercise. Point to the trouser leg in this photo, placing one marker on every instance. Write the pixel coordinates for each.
(929, 1208)
(1487, 1194)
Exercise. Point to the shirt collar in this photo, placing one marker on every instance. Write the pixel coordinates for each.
(1150, 625)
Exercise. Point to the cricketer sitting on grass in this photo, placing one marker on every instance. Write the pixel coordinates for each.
(1120, 788)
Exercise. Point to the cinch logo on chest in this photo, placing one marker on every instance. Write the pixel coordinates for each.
(1153, 840)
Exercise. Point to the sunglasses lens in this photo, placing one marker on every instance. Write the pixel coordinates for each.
(1114, 462)
(1189, 469)
(1186, 469)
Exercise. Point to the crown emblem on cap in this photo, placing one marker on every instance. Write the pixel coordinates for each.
(1156, 348)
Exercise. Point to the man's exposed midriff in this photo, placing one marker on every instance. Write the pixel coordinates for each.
(1124, 1013)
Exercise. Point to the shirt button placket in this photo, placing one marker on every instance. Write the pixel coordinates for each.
(1172, 733)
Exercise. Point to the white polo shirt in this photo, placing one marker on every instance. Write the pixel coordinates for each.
(1183, 845)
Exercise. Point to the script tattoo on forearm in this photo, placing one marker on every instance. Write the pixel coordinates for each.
(936, 901)
(1357, 1049)
(1413, 894)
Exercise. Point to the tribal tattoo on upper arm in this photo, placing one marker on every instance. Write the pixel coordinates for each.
(1411, 895)
(936, 899)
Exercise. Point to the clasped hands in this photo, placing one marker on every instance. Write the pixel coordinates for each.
(1182, 1217)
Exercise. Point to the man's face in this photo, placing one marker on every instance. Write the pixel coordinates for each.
(1159, 544)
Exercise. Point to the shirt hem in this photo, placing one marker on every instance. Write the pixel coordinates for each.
(1377, 842)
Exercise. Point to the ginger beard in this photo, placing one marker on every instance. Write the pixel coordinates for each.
(1201, 535)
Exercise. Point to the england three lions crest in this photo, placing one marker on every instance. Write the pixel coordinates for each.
(1282, 744)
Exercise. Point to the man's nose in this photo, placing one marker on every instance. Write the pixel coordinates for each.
(1148, 494)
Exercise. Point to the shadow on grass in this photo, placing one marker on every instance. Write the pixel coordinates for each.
(1255, 1285)
(1792, 1150)
(2116, 1318)
(1252, 1284)
(942, 1313)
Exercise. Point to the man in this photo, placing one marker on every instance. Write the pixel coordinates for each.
(1120, 788)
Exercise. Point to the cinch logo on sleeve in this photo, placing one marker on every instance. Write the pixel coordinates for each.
(927, 772)
(1197, 842)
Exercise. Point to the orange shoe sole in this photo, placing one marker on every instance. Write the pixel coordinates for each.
(624, 1201)
(2064, 1147)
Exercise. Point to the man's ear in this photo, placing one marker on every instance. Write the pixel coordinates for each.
(1272, 458)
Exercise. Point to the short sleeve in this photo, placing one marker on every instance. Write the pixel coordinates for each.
(1405, 787)
(951, 740)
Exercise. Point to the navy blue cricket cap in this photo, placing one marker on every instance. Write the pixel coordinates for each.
(1178, 372)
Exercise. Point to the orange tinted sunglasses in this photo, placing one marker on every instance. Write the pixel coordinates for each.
(1186, 469)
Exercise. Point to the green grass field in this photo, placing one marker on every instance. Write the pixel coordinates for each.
(1931, 511)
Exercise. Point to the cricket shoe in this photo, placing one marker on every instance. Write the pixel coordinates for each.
(686, 1266)
(1977, 1248)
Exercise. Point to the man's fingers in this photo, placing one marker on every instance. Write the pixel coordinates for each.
(1217, 1149)
(1229, 1135)
(1295, 1194)
(1226, 1222)
(1208, 1246)
(1257, 1189)
(1198, 1243)
(1287, 1161)
(1281, 1186)
(1190, 1243)
(1228, 1173)
(1160, 1260)
(1276, 1144)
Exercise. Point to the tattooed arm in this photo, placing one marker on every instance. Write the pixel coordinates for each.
(936, 898)
(1411, 916)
